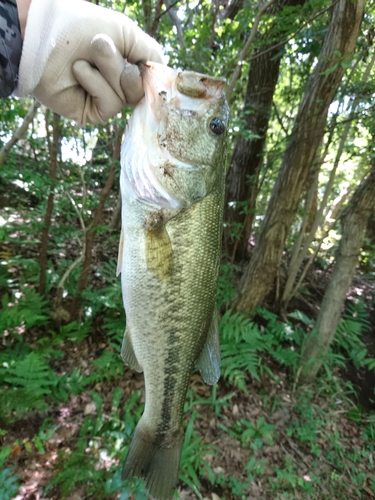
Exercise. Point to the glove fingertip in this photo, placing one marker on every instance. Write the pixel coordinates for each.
(131, 84)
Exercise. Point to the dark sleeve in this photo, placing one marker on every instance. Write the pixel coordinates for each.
(10, 46)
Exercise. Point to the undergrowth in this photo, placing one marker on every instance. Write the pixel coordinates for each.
(254, 349)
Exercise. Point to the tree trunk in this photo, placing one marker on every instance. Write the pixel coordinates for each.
(90, 233)
(115, 223)
(247, 158)
(296, 263)
(242, 179)
(53, 148)
(354, 222)
(20, 132)
(308, 132)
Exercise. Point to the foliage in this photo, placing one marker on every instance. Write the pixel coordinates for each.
(93, 460)
(9, 484)
(51, 363)
(28, 382)
(245, 342)
(349, 333)
(194, 458)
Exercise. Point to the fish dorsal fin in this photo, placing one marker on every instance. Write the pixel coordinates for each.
(128, 354)
(120, 251)
(209, 360)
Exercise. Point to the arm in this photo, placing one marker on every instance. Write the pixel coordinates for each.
(23, 9)
(10, 46)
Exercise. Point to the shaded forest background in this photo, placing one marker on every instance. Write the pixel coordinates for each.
(294, 413)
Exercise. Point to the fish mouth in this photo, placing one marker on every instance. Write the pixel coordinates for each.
(156, 174)
(187, 89)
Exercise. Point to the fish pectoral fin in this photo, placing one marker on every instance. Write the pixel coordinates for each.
(119, 257)
(209, 360)
(159, 255)
(128, 354)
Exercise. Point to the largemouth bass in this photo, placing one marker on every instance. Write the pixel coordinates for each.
(172, 185)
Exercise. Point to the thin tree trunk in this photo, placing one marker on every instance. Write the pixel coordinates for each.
(116, 216)
(80, 258)
(157, 16)
(20, 132)
(296, 263)
(245, 50)
(53, 151)
(247, 159)
(231, 9)
(177, 23)
(354, 222)
(298, 158)
(90, 233)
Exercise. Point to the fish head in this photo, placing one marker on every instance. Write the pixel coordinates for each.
(184, 116)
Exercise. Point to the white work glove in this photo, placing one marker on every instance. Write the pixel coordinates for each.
(73, 59)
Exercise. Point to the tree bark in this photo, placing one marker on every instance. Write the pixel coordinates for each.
(243, 53)
(354, 222)
(116, 216)
(246, 161)
(53, 148)
(296, 263)
(242, 180)
(321, 88)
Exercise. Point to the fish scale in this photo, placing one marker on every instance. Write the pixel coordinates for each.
(169, 259)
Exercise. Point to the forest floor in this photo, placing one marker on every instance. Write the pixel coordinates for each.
(300, 445)
(270, 441)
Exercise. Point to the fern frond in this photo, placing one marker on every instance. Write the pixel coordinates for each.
(241, 339)
(29, 382)
(232, 326)
(287, 357)
(109, 365)
(29, 310)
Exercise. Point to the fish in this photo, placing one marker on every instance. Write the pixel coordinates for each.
(172, 188)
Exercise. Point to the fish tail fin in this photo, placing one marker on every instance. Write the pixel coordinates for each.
(156, 463)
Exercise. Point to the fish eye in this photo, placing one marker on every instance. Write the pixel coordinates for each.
(217, 126)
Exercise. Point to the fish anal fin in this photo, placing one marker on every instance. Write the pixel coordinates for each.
(120, 251)
(159, 255)
(156, 463)
(209, 360)
(128, 354)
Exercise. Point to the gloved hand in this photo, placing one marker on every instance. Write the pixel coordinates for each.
(73, 59)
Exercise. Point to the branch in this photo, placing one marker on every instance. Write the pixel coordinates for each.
(278, 118)
(175, 20)
(20, 132)
(245, 50)
(161, 14)
(79, 259)
(155, 23)
(213, 22)
(283, 42)
(237, 71)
